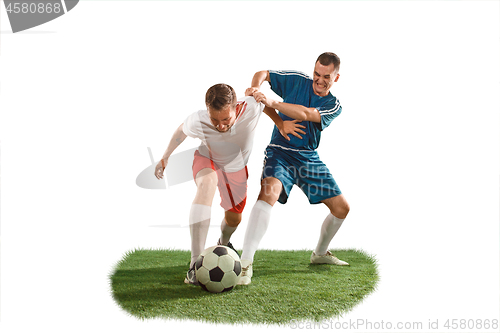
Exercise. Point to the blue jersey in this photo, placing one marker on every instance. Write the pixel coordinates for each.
(297, 88)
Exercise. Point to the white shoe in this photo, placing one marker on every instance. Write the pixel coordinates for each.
(246, 274)
(328, 258)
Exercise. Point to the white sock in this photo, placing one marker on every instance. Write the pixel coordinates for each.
(226, 232)
(199, 222)
(329, 228)
(257, 226)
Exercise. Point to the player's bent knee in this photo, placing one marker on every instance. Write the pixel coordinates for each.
(346, 208)
(232, 219)
(270, 190)
(207, 182)
(233, 223)
(341, 211)
(268, 198)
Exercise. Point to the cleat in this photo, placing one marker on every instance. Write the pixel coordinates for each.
(328, 258)
(191, 277)
(246, 274)
(229, 245)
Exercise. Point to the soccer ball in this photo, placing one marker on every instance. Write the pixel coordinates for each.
(218, 269)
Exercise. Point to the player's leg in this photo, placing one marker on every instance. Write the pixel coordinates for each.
(339, 208)
(257, 224)
(199, 216)
(276, 184)
(233, 191)
(260, 216)
(228, 227)
(317, 183)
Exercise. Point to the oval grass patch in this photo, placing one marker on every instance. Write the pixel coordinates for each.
(285, 287)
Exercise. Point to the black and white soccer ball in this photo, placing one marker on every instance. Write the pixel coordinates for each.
(218, 269)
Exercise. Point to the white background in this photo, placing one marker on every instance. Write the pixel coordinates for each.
(415, 150)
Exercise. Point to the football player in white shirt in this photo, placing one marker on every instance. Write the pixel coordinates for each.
(226, 130)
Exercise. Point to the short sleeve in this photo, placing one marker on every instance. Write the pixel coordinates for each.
(285, 81)
(192, 125)
(329, 112)
(253, 105)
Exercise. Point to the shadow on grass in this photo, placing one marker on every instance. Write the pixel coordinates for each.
(152, 284)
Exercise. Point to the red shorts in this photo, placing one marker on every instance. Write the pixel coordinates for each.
(232, 185)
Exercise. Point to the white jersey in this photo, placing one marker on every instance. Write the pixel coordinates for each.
(229, 150)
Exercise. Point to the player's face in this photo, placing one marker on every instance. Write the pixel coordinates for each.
(223, 119)
(323, 78)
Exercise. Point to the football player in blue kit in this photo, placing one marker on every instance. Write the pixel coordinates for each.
(295, 161)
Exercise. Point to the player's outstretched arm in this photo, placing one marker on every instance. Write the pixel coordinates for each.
(295, 111)
(285, 127)
(298, 112)
(175, 141)
(257, 81)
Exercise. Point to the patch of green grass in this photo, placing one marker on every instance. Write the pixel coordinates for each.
(285, 286)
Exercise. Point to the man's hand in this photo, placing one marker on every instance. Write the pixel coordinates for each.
(291, 127)
(261, 98)
(160, 167)
(250, 91)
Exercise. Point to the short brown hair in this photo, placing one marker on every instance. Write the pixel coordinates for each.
(329, 58)
(219, 96)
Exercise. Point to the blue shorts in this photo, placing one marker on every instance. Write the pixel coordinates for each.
(302, 168)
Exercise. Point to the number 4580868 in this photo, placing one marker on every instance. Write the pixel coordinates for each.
(471, 324)
(32, 8)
